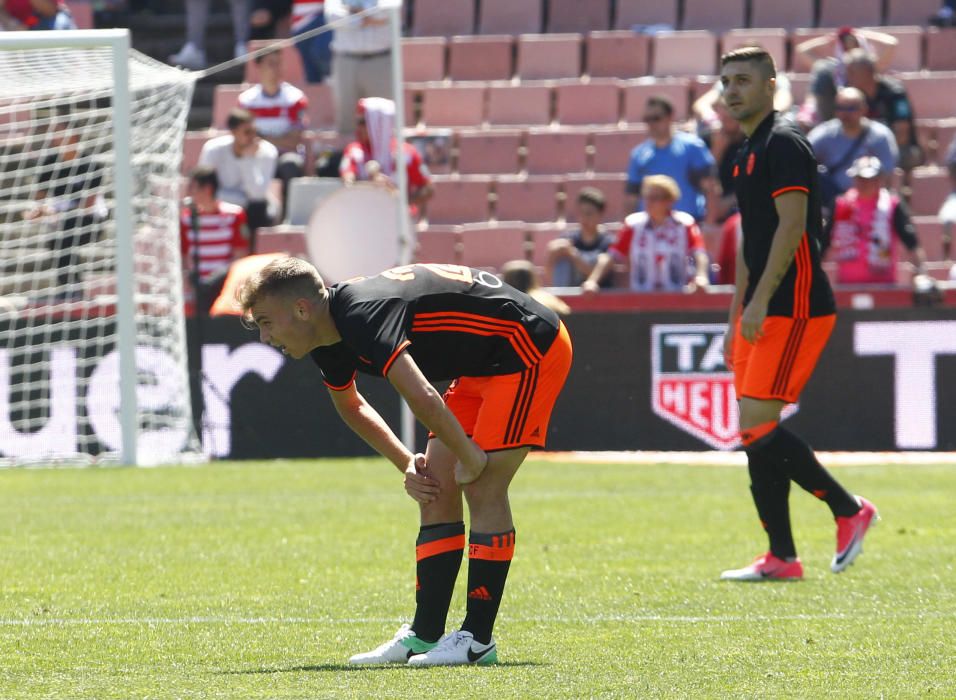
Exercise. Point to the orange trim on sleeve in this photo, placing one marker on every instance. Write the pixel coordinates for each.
(436, 547)
(795, 188)
(344, 386)
(398, 351)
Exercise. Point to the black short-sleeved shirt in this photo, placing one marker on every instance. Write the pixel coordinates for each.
(774, 160)
(454, 321)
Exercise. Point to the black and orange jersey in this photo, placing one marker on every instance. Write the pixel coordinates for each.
(774, 160)
(454, 321)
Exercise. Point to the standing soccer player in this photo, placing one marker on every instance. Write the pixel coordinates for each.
(780, 318)
(508, 356)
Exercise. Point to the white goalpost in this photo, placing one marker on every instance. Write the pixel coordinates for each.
(93, 358)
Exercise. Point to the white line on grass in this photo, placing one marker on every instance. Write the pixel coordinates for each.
(584, 619)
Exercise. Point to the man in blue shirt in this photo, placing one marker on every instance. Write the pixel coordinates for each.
(679, 155)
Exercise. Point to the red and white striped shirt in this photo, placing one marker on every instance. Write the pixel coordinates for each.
(303, 11)
(222, 238)
(659, 255)
(278, 114)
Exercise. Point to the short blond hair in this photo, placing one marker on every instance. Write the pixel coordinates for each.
(664, 182)
(289, 277)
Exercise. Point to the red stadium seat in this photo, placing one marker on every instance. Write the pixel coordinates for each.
(553, 152)
(192, 147)
(611, 184)
(284, 238)
(423, 59)
(549, 56)
(321, 112)
(714, 15)
(931, 94)
(510, 17)
(481, 57)
(941, 51)
(929, 230)
(491, 245)
(636, 92)
(594, 102)
(929, 188)
(612, 148)
(459, 200)
(224, 98)
(899, 12)
(788, 14)
(858, 13)
(944, 136)
(533, 199)
(540, 236)
(773, 40)
(292, 70)
(443, 17)
(618, 54)
(518, 105)
(488, 152)
(438, 244)
(908, 55)
(453, 105)
(643, 12)
(577, 16)
(685, 53)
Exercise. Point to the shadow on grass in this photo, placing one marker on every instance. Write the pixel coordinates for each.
(335, 668)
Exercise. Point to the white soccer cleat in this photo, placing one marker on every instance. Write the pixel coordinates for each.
(395, 651)
(457, 648)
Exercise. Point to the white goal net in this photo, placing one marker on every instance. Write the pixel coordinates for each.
(93, 360)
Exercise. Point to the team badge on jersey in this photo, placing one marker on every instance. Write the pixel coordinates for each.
(691, 387)
(750, 164)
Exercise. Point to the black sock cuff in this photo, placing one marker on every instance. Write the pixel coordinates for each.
(440, 531)
(492, 539)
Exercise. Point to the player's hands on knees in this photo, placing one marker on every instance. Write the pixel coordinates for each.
(419, 483)
(751, 321)
(467, 473)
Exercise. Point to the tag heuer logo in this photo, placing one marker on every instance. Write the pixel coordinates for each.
(692, 387)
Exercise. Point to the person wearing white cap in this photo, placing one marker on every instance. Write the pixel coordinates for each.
(867, 222)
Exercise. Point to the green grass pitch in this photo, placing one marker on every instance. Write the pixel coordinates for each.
(243, 580)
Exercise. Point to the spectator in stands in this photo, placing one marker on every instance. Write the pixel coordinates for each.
(68, 197)
(522, 275)
(947, 212)
(265, 16)
(23, 15)
(571, 258)
(245, 165)
(371, 156)
(213, 234)
(679, 155)
(731, 233)
(945, 16)
(865, 223)
(839, 142)
(724, 142)
(887, 102)
(193, 53)
(662, 247)
(362, 60)
(826, 55)
(279, 113)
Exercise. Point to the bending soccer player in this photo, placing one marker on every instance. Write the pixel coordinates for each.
(508, 356)
(780, 318)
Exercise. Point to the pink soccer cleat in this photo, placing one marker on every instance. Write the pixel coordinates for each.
(766, 567)
(850, 533)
